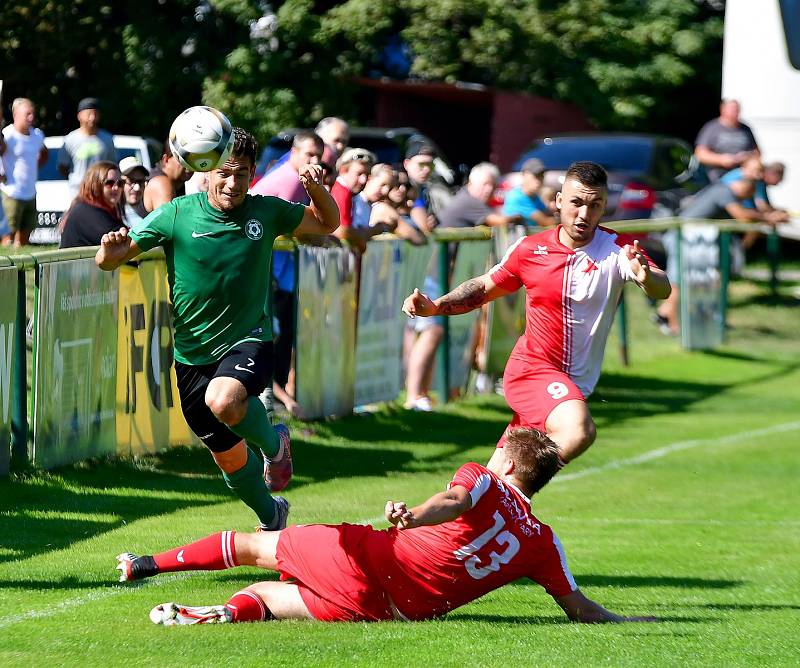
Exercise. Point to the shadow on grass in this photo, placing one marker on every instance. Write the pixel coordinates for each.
(43, 512)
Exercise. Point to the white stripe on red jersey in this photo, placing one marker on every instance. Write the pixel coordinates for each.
(572, 296)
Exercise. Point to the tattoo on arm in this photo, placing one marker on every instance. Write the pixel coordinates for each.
(465, 298)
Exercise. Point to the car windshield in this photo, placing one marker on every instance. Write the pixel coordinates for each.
(613, 153)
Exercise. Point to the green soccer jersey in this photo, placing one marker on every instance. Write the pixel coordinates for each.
(219, 266)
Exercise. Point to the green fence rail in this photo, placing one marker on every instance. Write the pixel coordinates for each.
(29, 261)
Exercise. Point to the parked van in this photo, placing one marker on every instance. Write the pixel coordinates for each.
(53, 195)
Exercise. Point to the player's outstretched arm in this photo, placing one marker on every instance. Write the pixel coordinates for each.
(584, 610)
(468, 296)
(322, 217)
(441, 507)
(116, 248)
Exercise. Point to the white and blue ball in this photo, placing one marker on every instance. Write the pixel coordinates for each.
(201, 138)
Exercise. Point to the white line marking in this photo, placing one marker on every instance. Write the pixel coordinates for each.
(87, 598)
(676, 447)
(632, 461)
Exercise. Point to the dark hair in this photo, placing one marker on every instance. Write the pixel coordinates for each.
(588, 173)
(167, 149)
(305, 135)
(244, 145)
(534, 455)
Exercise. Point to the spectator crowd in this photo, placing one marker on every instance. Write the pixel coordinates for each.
(373, 198)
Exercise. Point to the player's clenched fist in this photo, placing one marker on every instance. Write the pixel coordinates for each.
(115, 238)
(419, 304)
(310, 175)
(398, 514)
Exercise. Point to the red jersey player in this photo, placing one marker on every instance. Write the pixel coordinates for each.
(573, 276)
(458, 545)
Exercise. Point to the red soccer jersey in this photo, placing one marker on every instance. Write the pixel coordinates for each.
(571, 299)
(428, 571)
(344, 200)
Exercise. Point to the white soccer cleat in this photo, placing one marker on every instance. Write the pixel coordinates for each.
(173, 614)
(124, 564)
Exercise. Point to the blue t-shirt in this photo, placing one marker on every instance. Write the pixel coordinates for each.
(761, 187)
(518, 203)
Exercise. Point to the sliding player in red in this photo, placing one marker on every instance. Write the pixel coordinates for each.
(573, 275)
(457, 546)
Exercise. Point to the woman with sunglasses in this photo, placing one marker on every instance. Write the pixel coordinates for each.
(96, 210)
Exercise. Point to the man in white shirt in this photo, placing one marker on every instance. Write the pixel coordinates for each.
(23, 151)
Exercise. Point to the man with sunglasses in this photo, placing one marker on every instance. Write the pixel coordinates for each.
(134, 180)
(354, 166)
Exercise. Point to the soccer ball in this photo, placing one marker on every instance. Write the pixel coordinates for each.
(201, 138)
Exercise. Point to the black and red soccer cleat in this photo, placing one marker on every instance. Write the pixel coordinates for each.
(132, 567)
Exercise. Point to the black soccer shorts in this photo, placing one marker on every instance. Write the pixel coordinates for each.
(250, 363)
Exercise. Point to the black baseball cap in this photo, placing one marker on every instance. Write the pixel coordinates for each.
(416, 149)
(533, 166)
(88, 103)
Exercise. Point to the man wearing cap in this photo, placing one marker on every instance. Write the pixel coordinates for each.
(419, 167)
(524, 200)
(134, 180)
(86, 145)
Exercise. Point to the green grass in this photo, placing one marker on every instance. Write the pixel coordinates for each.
(706, 536)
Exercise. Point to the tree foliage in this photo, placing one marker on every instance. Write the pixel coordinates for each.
(626, 63)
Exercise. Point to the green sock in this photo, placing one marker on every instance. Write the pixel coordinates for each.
(248, 484)
(255, 428)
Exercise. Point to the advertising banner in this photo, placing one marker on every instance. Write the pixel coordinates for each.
(701, 312)
(326, 331)
(149, 416)
(472, 259)
(8, 314)
(379, 342)
(75, 363)
(390, 270)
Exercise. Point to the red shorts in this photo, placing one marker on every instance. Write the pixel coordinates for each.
(325, 563)
(533, 389)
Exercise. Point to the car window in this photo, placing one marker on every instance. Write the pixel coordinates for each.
(613, 153)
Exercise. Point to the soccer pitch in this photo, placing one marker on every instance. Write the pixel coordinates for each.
(685, 508)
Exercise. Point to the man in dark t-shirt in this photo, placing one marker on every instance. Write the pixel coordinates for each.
(724, 143)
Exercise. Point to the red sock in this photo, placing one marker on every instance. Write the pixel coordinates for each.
(248, 607)
(212, 553)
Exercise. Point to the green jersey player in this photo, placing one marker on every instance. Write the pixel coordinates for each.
(218, 247)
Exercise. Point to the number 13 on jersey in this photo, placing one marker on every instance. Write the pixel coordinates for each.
(476, 565)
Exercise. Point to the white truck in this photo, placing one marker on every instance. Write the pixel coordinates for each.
(761, 69)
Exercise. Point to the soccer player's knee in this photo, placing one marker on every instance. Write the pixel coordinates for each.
(588, 432)
(223, 407)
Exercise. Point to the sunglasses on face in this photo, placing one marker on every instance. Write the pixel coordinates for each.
(110, 183)
(135, 182)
